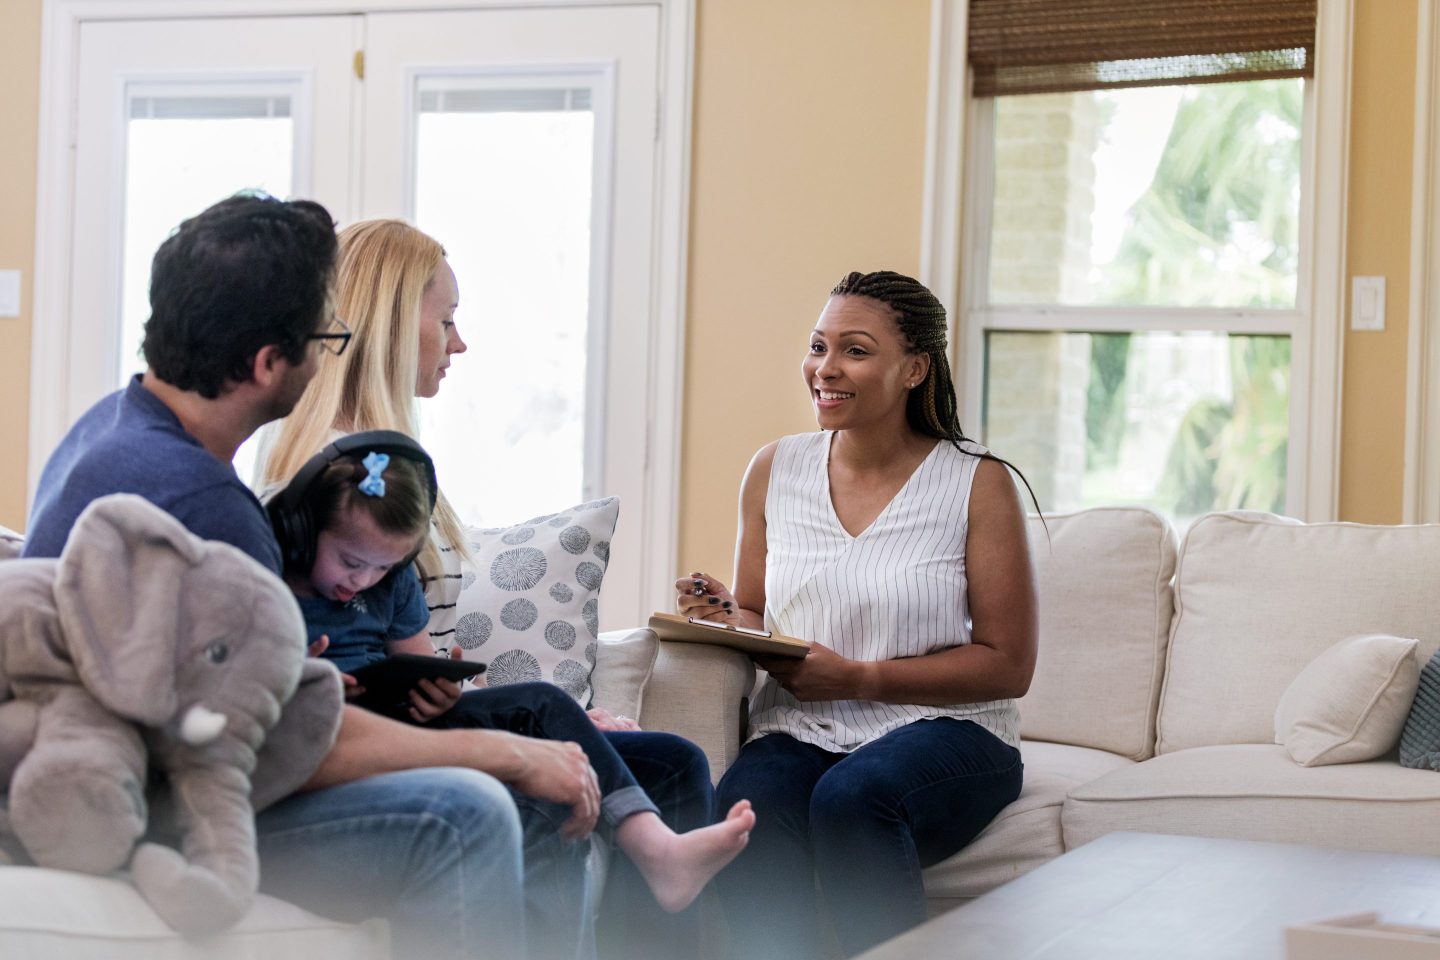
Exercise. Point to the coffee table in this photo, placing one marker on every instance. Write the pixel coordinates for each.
(1150, 895)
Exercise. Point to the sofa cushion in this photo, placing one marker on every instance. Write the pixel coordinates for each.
(1103, 578)
(1027, 832)
(1350, 702)
(54, 913)
(1257, 598)
(10, 543)
(623, 665)
(1256, 792)
(1420, 739)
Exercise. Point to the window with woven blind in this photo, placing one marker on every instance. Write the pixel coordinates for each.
(1133, 278)
(1056, 46)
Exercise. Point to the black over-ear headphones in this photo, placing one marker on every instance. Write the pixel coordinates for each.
(291, 513)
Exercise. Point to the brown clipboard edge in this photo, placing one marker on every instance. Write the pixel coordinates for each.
(672, 626)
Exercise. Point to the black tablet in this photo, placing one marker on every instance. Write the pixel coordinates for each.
(389, 682)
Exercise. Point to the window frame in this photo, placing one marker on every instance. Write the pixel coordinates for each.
(1421, 500)
(956, 234)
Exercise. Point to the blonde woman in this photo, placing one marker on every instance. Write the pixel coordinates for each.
(399, 295)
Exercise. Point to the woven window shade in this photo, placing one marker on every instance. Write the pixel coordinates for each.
(1051, 46)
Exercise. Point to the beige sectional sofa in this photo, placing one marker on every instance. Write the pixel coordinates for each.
(1151, 709)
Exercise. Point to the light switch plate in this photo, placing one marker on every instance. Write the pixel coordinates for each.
(1367, 303)
(9, 293)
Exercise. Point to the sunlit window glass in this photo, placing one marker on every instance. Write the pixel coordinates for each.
(1131, 206)
(503, 178)
(1184, 423)
(183, 154)
(1173, 196)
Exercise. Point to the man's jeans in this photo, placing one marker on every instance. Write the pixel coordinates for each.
(439, 853)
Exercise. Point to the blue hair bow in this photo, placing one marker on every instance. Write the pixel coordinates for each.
(373, 485)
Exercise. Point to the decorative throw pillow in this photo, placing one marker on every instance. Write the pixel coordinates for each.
(1350, 702)
(11, 543)
(1420, 740)
(529, 603)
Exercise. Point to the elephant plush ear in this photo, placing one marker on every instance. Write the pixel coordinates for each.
(305, 733)
(118, 591)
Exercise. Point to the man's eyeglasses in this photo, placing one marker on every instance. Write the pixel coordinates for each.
(335, 338)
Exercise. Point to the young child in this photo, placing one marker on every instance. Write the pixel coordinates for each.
(362, 601)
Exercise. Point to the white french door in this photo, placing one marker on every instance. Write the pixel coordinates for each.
(525, 139)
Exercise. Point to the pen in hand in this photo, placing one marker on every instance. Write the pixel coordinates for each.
(700, 587)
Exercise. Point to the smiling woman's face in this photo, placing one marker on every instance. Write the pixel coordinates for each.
(858, 368)
(438, 336)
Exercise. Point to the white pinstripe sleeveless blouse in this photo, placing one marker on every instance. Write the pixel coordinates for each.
(897, 590)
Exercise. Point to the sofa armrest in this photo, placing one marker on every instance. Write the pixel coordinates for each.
(696, 690)
(702, 693)
(11, 543)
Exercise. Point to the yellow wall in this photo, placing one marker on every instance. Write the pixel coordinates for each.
(1382, 129)
(19, 121)
(808, 161)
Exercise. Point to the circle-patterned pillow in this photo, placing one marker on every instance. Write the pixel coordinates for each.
(529, 602)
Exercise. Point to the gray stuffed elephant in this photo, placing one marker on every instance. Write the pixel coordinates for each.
(144, 650)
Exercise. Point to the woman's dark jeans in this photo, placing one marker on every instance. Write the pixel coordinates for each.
(862, 824)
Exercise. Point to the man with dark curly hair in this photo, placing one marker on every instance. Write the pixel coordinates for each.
(236, 294)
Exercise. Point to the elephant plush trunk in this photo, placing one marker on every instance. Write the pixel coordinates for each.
(211, 882)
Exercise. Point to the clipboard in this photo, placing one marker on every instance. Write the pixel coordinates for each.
(671, 626)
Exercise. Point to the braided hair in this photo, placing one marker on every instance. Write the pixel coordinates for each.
(931, 409)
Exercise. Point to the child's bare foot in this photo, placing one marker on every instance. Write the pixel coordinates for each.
(678, 865)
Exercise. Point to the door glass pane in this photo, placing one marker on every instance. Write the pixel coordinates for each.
(1175, 196)
(183, 153)
(503, 178)
(1184, 423)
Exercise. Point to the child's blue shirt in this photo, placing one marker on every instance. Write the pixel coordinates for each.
(393, 609)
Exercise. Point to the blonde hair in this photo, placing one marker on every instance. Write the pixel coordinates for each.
(384, 269)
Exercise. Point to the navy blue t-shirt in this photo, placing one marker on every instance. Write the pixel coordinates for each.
(131, 442)
(393, 609)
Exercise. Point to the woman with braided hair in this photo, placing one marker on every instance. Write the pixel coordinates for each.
(897, 546)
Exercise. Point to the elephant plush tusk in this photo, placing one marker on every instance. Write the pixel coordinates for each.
(200, 725)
